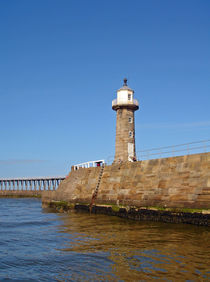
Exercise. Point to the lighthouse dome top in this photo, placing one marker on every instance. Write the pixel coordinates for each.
(125, 86)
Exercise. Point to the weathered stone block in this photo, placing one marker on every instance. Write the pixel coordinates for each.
(172, 181)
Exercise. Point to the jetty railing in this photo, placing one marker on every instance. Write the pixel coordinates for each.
(197, 147)
(89, 164)
(175, 150)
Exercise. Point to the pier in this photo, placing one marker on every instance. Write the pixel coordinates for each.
(29, 186)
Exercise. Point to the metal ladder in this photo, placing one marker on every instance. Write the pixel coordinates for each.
(95, 193)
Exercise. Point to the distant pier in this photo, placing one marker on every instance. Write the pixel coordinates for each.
(29, 185)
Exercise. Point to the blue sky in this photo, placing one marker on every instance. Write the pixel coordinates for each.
(61, 63)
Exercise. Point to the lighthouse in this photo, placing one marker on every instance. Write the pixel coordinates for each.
(125, 105)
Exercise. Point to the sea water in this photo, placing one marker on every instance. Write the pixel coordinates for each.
(36, 245)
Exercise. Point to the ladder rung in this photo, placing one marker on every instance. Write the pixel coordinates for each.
(95, 193)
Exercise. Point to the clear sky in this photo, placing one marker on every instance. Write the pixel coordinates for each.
(61, 62)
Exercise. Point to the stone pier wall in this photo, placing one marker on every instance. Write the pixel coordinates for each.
(171, 182)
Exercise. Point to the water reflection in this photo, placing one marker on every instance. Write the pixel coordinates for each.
(129, 250)
(40, 246)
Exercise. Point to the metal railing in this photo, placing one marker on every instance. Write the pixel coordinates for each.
(132, 102)
(202, 146)
(89, 164)
(175, 150)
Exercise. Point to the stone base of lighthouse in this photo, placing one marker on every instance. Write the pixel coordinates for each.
(125, 135)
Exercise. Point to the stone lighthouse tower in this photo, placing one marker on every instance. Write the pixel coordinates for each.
(125, 105)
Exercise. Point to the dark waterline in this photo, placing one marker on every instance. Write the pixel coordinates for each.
(40, 246)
